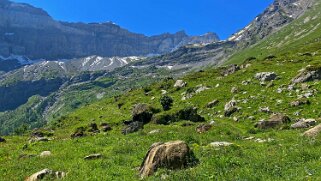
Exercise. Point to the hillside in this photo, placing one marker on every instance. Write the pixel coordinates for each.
(289, 155)
(256, 118)
(233, 105)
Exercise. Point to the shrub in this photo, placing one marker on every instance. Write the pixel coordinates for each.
(166, 102)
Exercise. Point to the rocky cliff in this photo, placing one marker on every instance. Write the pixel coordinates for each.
(29, 31)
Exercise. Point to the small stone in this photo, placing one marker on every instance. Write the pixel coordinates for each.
(265, 110)
(93, 156)
(105, 127)
(154, 131)
(164, 92)
(220, 144)
(212, 104)
(45, 154)
(234, 90)
(203, 128)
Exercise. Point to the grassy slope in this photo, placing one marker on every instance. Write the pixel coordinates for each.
(301, 36)
(289, 157)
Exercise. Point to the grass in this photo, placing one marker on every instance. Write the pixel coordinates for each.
(288, 157)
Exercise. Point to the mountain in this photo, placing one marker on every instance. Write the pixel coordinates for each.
(274, 18)
(257, 120)
(62, 76)
(31, 32)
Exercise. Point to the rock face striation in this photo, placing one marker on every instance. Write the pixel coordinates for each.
(30, 31)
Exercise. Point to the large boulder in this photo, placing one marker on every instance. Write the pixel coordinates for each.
(133, 127)
(142, 113)
(276, 120)
(313, 132)
(180, 84)
(170, 155)
(190, 114)
(46, 174)
(307, 75)
(304, 123)
(266, 76)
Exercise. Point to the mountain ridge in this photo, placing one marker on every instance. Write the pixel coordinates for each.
(31, 32)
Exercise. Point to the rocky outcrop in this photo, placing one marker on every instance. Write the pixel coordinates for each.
(307, 75)
(275, 121)
(266, 76)
(170, 155)
(142, 113)
(276, 16)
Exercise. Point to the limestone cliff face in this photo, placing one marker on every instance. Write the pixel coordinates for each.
(29, 31)
(277, 15)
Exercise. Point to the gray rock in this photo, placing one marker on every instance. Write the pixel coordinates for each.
(203, 128)
(46, 174)
(299, 102)
(142, 113)
(180, 84)
(220, 144)
(266, 76)
(154, 131)
(275, 120)
(38, 139)
(234, 90)
(307, 75)
(313, 132)
(212, 104)
(45, 154)
(170, 155)
(304, 123)
(133, 127)
(231, 69)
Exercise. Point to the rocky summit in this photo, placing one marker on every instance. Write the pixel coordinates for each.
(246, 108)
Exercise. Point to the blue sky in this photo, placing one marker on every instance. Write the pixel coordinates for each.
(153, 17)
